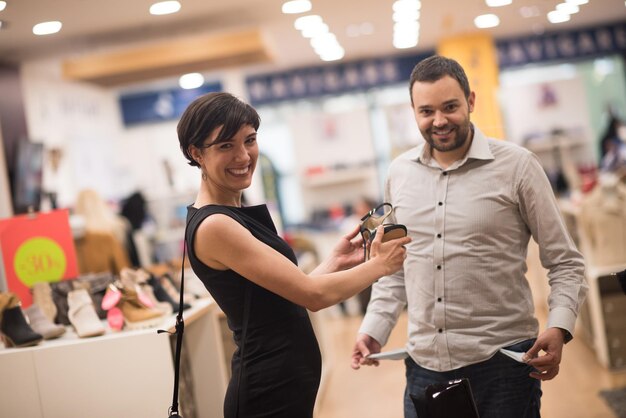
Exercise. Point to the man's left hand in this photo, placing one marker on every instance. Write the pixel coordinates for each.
(551, 343)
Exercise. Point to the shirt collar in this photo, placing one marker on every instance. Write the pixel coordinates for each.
(479, 150)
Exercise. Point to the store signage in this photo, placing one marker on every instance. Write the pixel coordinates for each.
(160, 105)
(331, 79)
(361, 75)
(564, 45)
(37, 248)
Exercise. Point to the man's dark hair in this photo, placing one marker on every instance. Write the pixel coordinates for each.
(436, 67)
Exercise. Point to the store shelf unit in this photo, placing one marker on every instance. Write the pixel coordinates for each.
(129, 373)
(606, 308)
(602, 315)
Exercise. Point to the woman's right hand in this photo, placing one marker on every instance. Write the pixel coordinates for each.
(390, 254)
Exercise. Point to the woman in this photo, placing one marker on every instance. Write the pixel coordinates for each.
(252, 273)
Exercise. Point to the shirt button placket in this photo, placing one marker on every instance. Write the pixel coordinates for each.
(438, 260)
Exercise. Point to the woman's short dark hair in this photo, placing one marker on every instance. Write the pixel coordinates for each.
(436, 67)
(209, 112)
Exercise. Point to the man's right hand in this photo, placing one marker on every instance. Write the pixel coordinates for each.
(363, 347)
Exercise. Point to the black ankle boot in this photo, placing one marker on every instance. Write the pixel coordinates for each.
(162, 296)
(15, 330)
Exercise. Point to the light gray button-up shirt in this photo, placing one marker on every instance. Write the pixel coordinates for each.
(464, 277)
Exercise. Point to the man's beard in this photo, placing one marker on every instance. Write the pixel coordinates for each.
(460, 132)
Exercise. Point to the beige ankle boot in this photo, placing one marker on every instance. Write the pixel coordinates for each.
(82, 314)
(42, 296)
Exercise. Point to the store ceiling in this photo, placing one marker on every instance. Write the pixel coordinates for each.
(91, 26)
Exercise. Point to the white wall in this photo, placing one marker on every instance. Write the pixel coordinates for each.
(84, 120)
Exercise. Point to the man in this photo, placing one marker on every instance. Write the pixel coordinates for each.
(470, 204)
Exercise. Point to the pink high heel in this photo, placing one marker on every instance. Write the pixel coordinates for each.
(115, 319)
(111, 298)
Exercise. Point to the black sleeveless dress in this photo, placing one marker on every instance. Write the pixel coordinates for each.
(277, 365)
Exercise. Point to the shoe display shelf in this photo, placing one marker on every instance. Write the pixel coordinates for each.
(602, 315)
(126, 373)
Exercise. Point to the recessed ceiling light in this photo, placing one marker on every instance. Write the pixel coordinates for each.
(568, 8)
(191, 81)
(487, 21)
(296, 6)
(498, 3)
(47, 28)
(307, 21)
(558, 17)
(3, 5)
(165, 7)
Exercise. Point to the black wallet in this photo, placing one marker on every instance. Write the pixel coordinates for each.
(452, 399)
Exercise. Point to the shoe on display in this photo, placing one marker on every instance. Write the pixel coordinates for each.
(166, 307)
(40, 323)
(167, 283)
(15, 330)
(42, 296)
(82, 314)
(164, 296)
(136, 314)
(115, 319)
(133, 279)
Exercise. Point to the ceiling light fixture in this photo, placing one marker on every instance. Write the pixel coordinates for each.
(406, 15)
(486, 21)
(47, 28)
(3, 5)
(324, 42)
(165, 8)
(307, 21)
(498, 3)
(556, 16)
(568, 8)
(191, 81)
(296, 6)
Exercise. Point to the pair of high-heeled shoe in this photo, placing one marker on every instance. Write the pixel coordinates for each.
(374, 218)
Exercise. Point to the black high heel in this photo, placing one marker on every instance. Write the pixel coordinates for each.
(372, 220)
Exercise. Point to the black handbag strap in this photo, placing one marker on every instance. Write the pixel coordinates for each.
(179, 328)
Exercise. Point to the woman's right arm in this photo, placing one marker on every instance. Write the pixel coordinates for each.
(239, 250)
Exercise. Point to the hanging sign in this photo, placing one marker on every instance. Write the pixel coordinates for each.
(37, 248)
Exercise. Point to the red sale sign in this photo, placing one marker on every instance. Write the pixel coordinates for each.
(37, 248)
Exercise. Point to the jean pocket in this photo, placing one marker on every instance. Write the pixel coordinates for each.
(522, 346)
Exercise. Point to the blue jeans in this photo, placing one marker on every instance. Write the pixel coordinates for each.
(501, 386)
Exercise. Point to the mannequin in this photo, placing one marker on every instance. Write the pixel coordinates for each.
(100, 244)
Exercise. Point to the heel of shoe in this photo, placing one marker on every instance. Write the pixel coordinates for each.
(8, 343)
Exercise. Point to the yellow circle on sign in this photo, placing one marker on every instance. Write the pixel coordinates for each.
(39, 259)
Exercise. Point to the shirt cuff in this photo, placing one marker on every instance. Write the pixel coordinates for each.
(377, 327)
(562, 318)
